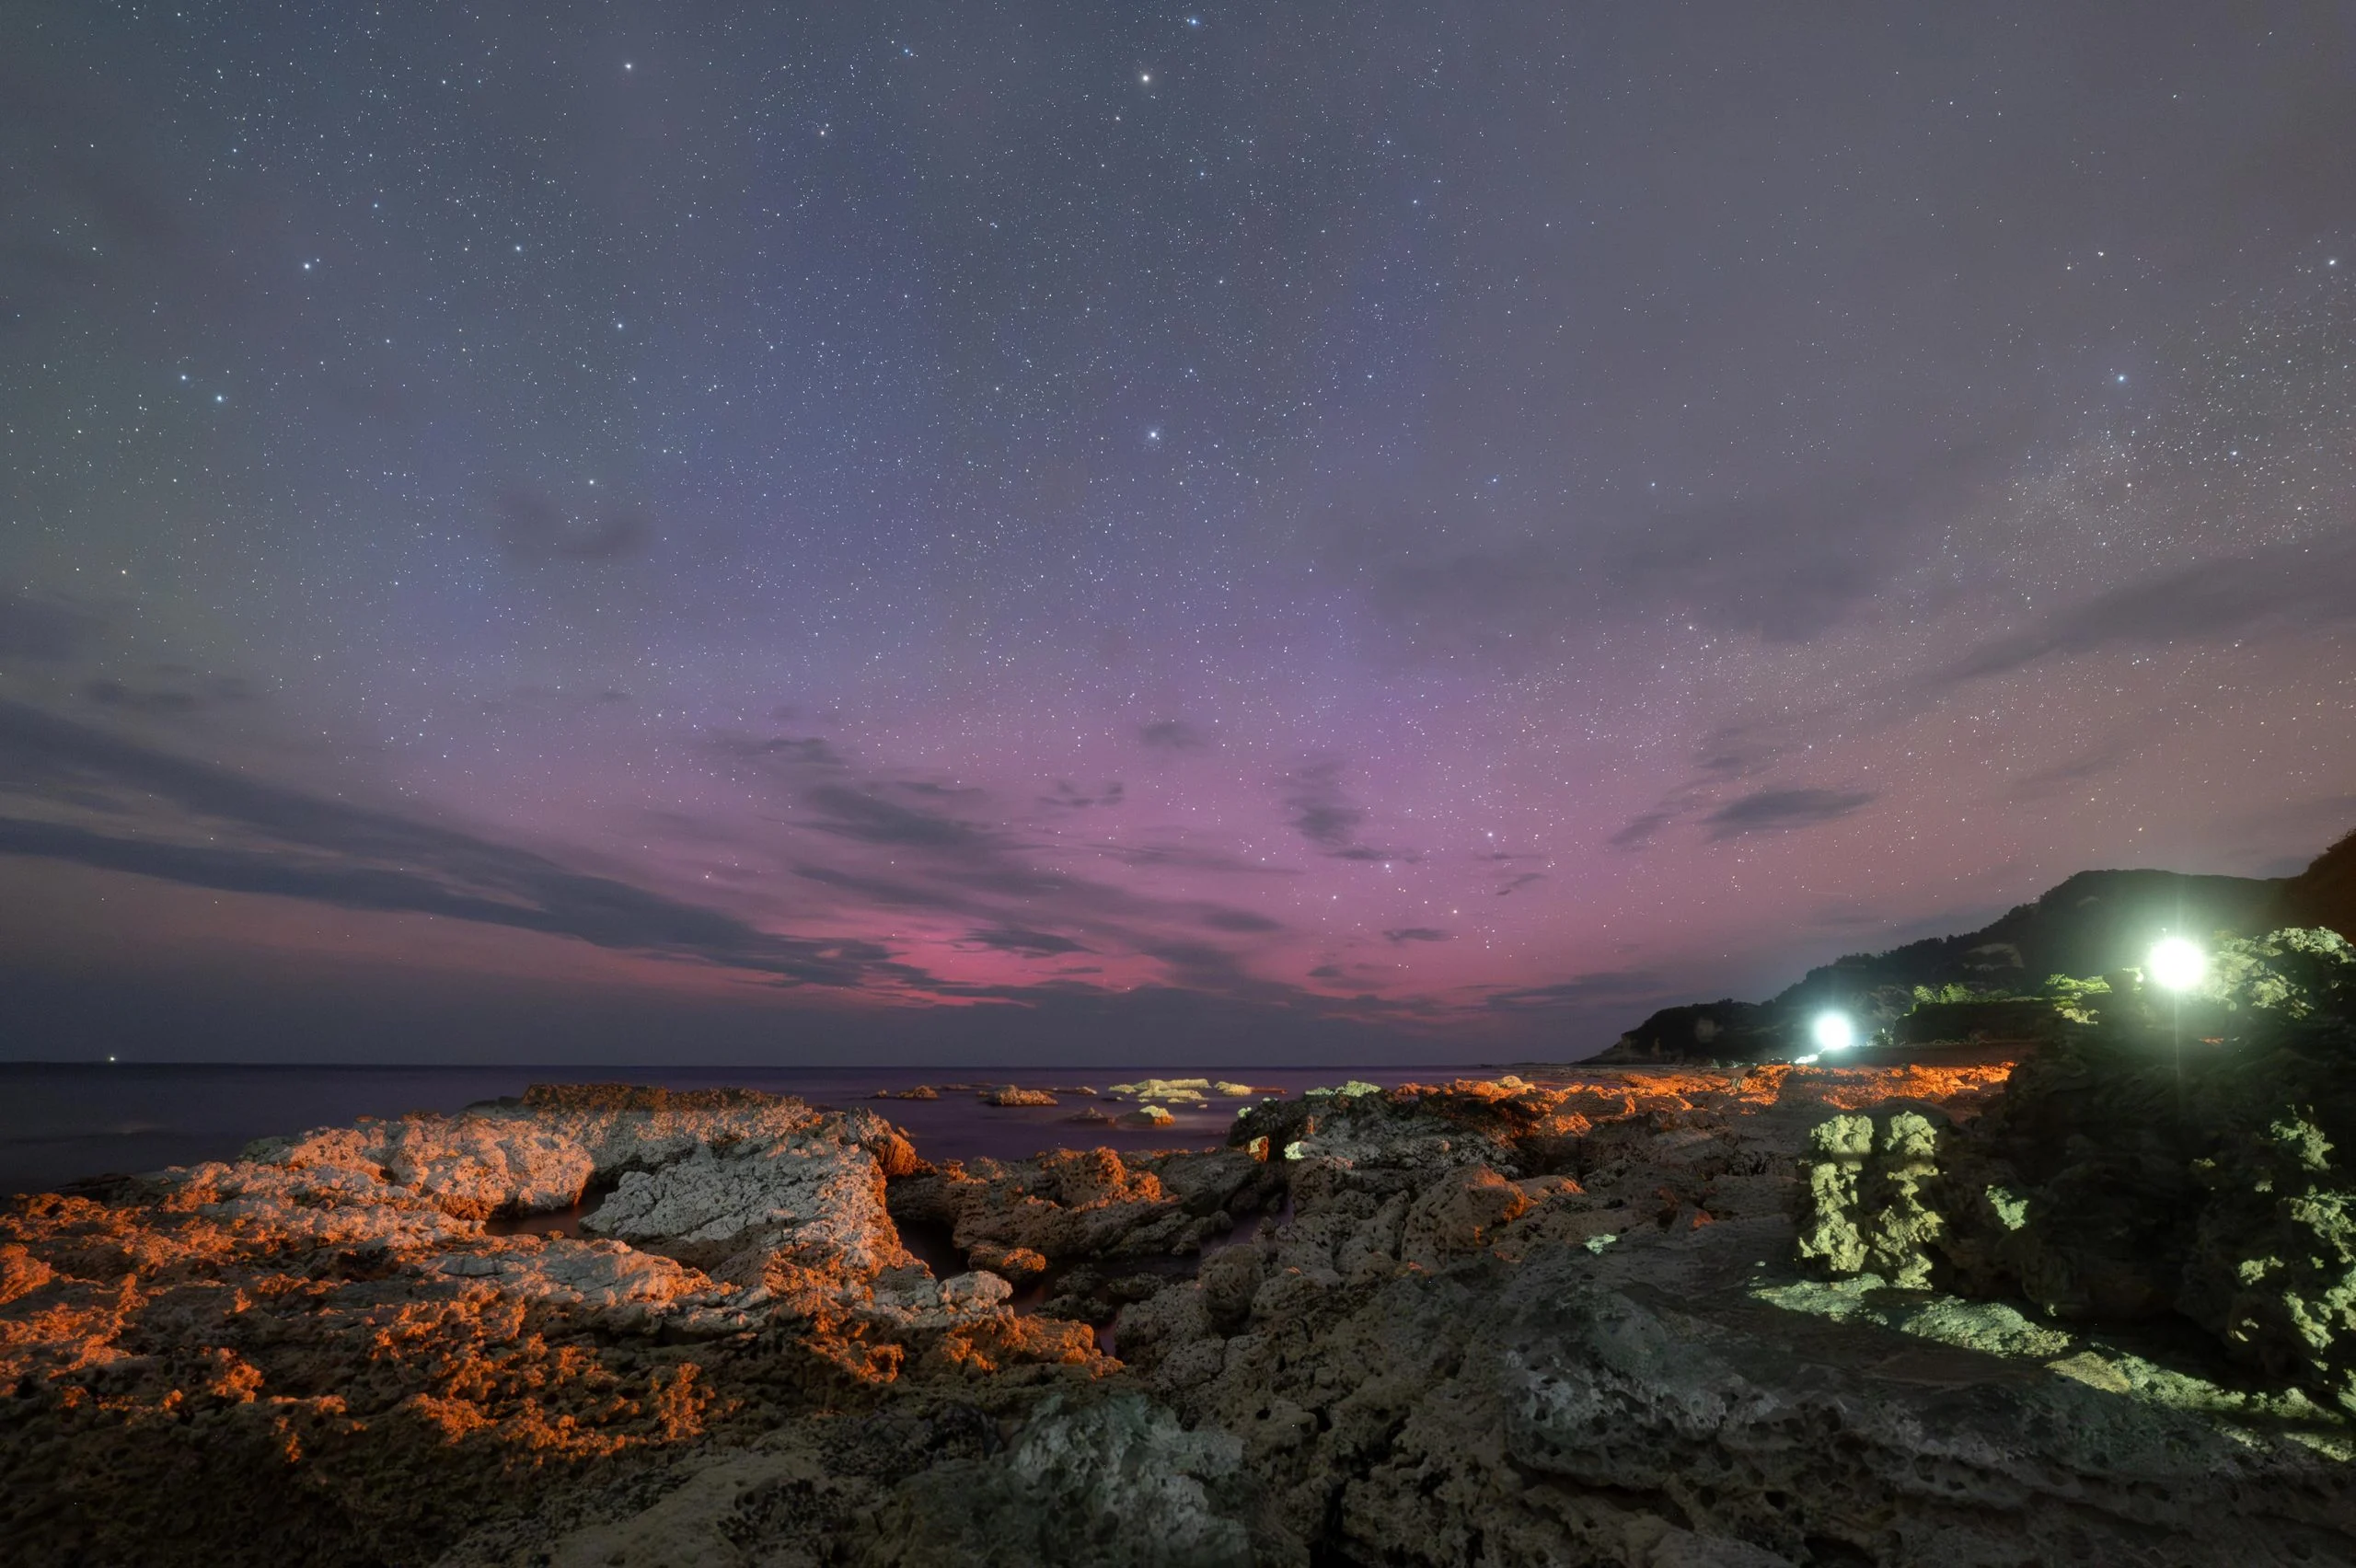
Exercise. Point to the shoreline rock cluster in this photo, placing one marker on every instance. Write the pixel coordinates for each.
(1153, 1097)
(1471, 1323)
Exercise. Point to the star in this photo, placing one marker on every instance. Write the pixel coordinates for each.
(867, 466)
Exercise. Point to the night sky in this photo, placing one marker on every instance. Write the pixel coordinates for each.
(1104, 534)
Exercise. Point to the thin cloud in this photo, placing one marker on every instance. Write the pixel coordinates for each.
(1203, 967)
(890, 893)
(1324, 817)
(264, 838)
(1637, 832)
(1070, 797)
(1782, 566)
(1784, 810)
(1188, 857)
(2215, 601)
(108, 693)
(535, 526)
(44, 629)
(850, 813)
(2078, 770)
(809, 751)
(1614, 987)
(1320, 814)
(1027, 944)
(1171, 734)
(1381, 856)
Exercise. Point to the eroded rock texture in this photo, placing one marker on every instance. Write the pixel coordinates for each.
(322, 1353)
(1478, 1323)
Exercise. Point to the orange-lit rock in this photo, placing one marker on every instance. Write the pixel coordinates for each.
(1522, 1314)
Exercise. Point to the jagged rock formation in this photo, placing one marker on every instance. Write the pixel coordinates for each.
(1506, 1323)
(1464, 1324)
(286, 1355)
(1098, 1223)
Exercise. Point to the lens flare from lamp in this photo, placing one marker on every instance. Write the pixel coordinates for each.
(2177, 964)
(1833, 1031)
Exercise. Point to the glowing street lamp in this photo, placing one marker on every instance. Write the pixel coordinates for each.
(1833, 1031)
(2177, 964)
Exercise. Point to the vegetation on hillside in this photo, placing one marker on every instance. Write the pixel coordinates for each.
(2191, 1154)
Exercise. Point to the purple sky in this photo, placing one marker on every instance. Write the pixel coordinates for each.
(1058, 534)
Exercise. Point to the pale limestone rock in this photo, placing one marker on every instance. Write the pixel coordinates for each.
(810, 1198)
(974, 1291)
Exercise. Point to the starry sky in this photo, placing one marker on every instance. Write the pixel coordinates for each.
(1100, 532)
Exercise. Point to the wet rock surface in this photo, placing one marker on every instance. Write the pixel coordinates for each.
(1484, 1322)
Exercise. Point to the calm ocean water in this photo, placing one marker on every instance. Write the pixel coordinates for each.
(61, 1123)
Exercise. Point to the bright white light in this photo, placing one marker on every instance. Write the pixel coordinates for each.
(2177, 964)
(1833, 1031)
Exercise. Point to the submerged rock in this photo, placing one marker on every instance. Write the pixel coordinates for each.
(1010, 1095)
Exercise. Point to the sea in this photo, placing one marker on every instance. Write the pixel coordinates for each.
(66, 1123)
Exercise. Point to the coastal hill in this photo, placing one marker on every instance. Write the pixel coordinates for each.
(2089, 925)
(2325, 894)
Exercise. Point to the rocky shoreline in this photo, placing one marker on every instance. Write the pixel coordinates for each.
(1484, 1322)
